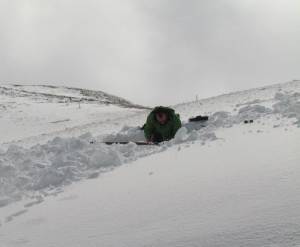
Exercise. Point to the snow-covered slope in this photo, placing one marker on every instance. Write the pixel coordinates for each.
(226, 184)
(32, 113)
(46, 93)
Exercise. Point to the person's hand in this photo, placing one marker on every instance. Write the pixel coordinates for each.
(150, 140)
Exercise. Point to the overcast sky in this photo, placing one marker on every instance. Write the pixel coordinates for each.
(151, 52)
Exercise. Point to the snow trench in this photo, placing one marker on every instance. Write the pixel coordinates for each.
(45, 169)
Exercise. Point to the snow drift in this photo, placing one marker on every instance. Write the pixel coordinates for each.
(46, 168)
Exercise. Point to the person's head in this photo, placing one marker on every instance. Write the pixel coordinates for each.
(161, 117)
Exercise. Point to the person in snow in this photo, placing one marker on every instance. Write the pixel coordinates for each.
(162, 124)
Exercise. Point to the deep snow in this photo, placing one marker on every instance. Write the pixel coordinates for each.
(224, 184)
(186, 196)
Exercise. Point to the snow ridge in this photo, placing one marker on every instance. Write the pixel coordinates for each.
(64, 94)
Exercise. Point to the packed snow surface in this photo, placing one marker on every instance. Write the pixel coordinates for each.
(222, 183)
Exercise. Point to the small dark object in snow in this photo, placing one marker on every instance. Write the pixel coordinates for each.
(248, 121)
(199, 119)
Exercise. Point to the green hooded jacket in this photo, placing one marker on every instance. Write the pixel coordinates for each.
(168, 130)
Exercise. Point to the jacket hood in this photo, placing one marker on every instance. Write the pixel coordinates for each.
(164, 109)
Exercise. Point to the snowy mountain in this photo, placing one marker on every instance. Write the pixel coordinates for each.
(43, 112)
(47, 93)
(228, 183)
